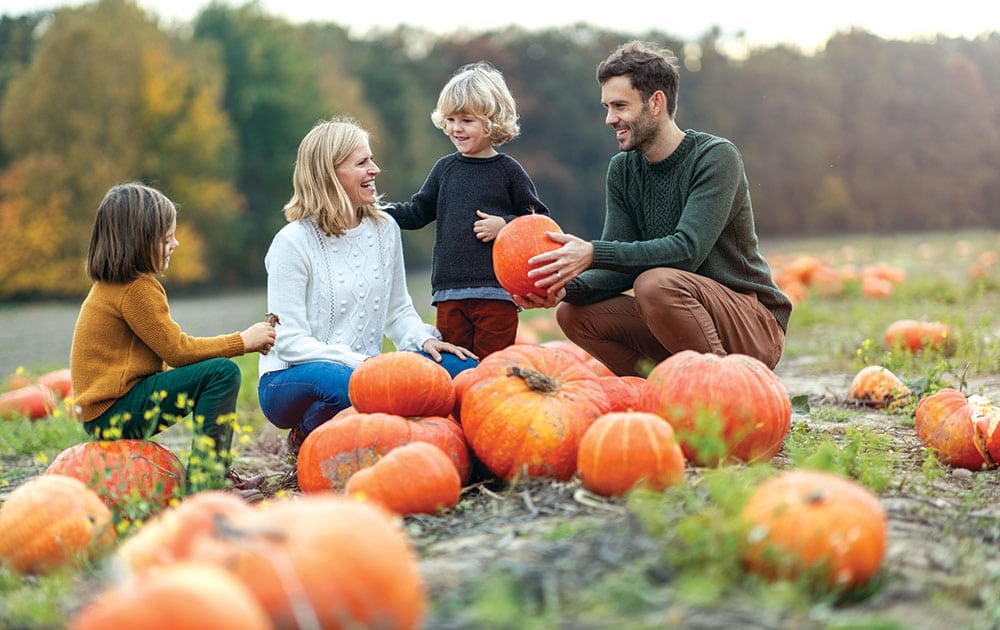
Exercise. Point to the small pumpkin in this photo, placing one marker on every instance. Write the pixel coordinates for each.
(522, 238)
(527, 409)
(184, 596)
(416, 478)
(721, 407)
(623, 450)
(30, 401)
(402, 383)
(53, 521)
(877, 386)
(322, 561)
(588, 359)
(59, 381)
(917, 336)
(961, 430)
(623, 391)
(125, 470)
(343, 445)
(817, 525)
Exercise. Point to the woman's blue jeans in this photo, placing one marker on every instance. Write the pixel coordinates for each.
(309, 394)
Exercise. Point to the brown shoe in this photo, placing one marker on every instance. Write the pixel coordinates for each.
(295, 438)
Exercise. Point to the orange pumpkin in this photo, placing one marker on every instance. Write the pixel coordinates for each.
(322, 561)
(403, 384)
(721, 408)
(184, 596)
(528, 408)
(58, 381)
(30, 401)
(124, 470)
(915, 336)
(167, 537)
(623, 391)
(50, 522)
(623, 450)
(961, 430)
(525, 236)
(416, 478)
(588, 359)
(817, 525)
(876, 386)
(344, 445)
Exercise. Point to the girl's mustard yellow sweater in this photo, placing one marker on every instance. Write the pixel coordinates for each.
(125, 333)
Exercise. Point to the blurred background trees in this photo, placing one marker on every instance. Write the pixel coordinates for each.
(865, 135)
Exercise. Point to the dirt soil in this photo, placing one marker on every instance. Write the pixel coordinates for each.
(942, 567)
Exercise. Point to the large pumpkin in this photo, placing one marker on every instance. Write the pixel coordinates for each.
(50, 522)
(30, 401)
(167, 537)
(626, 449)
(123, 471)
(961, 430)
(915, 336)
(322, 561)
(722, 408)
(528, 408)
(416, 478)
(345, 444)
(816, 525)
(402, 383)
(185, 596)
(525, 236)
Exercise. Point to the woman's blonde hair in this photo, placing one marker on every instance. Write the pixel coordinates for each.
(129, 233)
(316, 191)
(478, 89)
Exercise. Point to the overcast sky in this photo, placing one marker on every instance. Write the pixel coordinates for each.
(763, 22)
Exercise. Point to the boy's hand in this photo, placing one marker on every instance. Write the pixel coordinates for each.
(488, 226)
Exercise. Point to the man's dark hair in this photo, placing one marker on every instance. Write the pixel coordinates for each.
(649, 68)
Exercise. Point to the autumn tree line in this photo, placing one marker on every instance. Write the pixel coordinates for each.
(866, 135)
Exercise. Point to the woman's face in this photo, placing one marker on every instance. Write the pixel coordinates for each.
(357, 176)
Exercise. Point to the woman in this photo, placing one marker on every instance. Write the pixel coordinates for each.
(336, 281)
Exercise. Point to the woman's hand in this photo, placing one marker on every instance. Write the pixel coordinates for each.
(258, 338)
(435, 347)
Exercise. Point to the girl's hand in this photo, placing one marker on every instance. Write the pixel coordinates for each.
(488, 226)
(435, 347)
(258, 338)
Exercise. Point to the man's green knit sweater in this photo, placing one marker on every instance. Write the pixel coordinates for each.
(690, 211)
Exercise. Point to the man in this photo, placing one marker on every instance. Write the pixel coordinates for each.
(677, 266)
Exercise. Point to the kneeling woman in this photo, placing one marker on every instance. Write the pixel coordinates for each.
(336, 280)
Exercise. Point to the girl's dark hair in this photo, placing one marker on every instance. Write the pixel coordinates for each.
(648, 67)
(129, 233)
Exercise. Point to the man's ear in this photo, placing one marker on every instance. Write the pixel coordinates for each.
(658, 102)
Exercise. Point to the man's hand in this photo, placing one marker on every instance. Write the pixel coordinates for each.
(552, 270)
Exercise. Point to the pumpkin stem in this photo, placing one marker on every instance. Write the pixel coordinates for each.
(536, 381)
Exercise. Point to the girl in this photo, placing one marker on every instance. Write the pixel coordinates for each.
(472, 193)
(125, 339)
(335, 278)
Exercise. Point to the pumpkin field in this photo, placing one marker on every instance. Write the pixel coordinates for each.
(855, 486)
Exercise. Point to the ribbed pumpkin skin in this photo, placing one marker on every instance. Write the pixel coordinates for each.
(748, 398)
(527, 410)
(50, 522)
(344, 445)
(336, 562)
(803, 521)
(518, 241)
(416, 478)
(31, 401)
(402, 383)
(184, 596)
(121, 470)
(623, 450)
(623, 391)
(876, 386)
(962, 435)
